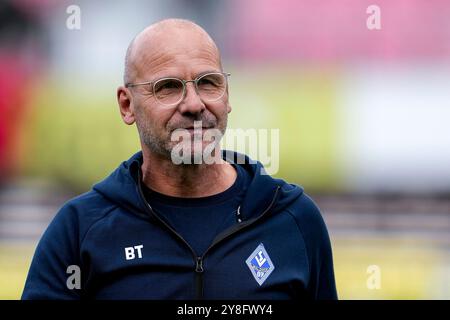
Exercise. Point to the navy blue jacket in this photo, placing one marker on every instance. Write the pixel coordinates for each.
(279, 247)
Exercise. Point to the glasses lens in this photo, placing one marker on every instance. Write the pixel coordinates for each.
(168, 91)
(211, 86)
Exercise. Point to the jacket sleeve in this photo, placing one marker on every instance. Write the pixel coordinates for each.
(322, 285)
(56, 261)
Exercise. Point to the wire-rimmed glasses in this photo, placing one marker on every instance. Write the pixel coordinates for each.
(171, 91)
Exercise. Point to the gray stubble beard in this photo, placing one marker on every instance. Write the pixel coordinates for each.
(163, 148)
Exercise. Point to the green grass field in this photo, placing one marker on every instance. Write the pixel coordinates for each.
(14, 263)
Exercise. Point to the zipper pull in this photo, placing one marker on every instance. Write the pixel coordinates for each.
(199, 265)
(238, 215)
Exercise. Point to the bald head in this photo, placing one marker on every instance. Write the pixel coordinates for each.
(166, 35)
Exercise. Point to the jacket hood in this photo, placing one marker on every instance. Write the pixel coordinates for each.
(122, 187)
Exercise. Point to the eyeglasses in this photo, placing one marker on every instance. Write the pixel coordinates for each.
(171, 91)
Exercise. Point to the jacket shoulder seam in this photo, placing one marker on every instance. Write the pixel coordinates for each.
(302, 236)
(107, 212)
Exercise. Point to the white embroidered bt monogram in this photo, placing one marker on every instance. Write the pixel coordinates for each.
(130, 252)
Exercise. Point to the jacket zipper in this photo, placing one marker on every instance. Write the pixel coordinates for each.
(199, 259)
(199, 278)
(199, 265)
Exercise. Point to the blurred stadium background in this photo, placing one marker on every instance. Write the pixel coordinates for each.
(363, 118)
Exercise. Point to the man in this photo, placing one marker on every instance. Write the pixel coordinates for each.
(167, 223)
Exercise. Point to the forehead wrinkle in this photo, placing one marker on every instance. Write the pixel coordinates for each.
(156, 62)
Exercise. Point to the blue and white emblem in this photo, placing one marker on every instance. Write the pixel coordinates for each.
(260, 264)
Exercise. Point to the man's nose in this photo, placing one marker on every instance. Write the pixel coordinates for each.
(191, 102)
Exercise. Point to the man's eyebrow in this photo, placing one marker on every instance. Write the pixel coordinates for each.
(178, 77)
(205, 72)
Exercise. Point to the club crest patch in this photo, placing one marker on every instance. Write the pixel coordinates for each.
(260, 264)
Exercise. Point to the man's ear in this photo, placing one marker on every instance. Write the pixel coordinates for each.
(125, 105)
(228, 101)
